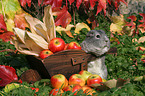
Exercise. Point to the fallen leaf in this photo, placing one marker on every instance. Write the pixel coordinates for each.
(2, 24)
(80, 26)
(20, 21)
(131, 23)
(10, 8)
(59, 29)
(111, 84)
(143, 20)
(6, 36)
(24, 2)
(7, 75)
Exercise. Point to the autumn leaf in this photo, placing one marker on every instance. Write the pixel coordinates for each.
(20, 21)
(101, 6)
(10, 8)
(80, 26)
(53, 3)
(4, 34)
(93, 3)
(63, 16)
(78, 3)
(59, 29)
(143, 21)
(117, 2)
(2, 24)
(131, 23)
(71, 1)
(7, 75)
(24, 2)
(111, 84)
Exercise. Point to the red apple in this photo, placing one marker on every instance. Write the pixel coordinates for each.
(94, 79)
(76, 79)
(56, 92)
(45, 53)
(73, 45)
(73, 88)
(56, 44)
(59, 81)
(85, 74)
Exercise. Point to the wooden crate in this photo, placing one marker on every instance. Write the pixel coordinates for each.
(65, 62)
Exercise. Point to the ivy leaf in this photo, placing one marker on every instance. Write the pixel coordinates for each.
(7, 75)
(2, 24)
(63, 16)
(23, 2)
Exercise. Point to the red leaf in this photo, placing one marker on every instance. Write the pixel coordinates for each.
(23, 2)
(101, 6)
(7, 75)
(117, 2)
(20, 21)
(133, 18)
(53, 3)
(78, 3)
(71, 1)
(143, 20)
(2, 24)
(63, 16)
(6, 36)
(93, 3)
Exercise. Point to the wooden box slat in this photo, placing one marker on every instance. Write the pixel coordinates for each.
(61, 63)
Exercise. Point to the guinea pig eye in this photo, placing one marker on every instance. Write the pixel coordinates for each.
(98, 36)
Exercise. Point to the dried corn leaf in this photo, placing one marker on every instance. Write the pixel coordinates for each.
(49, 22)
(39, 41)
(20, 34)
(33, 22)
(24, 50)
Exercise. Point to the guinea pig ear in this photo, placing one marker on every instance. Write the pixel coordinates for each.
(89, 34)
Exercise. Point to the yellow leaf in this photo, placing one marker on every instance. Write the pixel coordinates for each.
(80, 26)
(59, 29)
(119, 20)
(115, 28)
